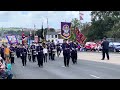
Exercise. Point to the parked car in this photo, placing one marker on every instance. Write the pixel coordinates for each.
(90, 46)
(114, 46)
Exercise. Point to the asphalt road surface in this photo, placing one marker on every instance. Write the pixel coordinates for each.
(85, 69)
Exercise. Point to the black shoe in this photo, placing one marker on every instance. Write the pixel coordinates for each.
(102, 59)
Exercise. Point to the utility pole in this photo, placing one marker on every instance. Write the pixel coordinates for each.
(34, 30)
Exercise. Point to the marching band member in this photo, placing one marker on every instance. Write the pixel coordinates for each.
(49, 50)
(23, 55)
(73, 47)
(52, 47)
(58, 48)
(39, 50)
(33, 48)
(66, 53)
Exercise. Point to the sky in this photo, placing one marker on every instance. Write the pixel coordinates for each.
(27, 19)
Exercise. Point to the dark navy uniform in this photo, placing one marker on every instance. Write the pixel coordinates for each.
(73, 48)
(2, 53)
(33, 48)
(18, 52)
(49, 50)
(105, 49)
(52, 48)
(29, 54)
(39, 50)
(12, 54)
(58, 49)
(24, 55)
(66, 53)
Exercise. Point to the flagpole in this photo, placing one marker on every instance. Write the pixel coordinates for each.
(47, 27)
(34, 30)
(80, 21)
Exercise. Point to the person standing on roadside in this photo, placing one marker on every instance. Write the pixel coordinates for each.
(2, 52)
(105, 49)
(7, 53)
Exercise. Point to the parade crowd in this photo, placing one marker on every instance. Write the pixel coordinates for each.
(40, 52)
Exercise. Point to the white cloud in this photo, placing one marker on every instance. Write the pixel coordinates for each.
(29, 18)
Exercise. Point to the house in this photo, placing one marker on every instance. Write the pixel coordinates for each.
(52, 36)
(56, 36)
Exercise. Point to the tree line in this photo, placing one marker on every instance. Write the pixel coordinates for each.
(103, 24)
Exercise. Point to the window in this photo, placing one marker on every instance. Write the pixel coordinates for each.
(55, 36)
(52, 36)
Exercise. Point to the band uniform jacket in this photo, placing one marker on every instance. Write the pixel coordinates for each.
(66, 48)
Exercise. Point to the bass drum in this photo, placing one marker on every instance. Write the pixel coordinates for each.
(54, 50)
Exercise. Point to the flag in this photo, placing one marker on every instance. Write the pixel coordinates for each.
(81, 16)
(42, 32)
(79, 36)
(23, 37)
(47, 25)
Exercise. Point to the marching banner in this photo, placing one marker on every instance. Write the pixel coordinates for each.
(65, 30)
(12, 39)
(79, 36)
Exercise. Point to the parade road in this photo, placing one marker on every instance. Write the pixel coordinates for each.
(90, 66)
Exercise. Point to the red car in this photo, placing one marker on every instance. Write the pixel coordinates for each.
(90, 46)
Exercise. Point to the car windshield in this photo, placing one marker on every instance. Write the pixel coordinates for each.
(117, 45)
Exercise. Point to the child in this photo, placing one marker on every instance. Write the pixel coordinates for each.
(8, 69)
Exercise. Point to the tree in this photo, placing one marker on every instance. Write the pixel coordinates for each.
(74, 23)
(85, 28)
(103, 23)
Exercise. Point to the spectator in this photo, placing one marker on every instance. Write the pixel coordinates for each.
(7, 53)
(2, 70)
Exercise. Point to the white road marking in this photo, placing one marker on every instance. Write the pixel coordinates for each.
(94, 76)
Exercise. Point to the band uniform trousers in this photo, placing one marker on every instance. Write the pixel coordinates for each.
(18, 54)
(66, 59)
(52, 55)
(49, 55)
(2, 55)
(105, 51)
(74, 56)
(58, 52)
(45, 57)
(40, 59)
(12, 60)
(24, 60)
(29, 57)
(33, 56)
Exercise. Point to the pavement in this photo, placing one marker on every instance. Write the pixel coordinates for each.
(89, 66)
